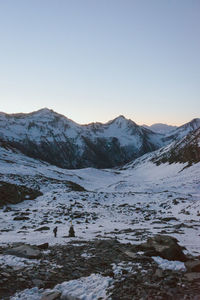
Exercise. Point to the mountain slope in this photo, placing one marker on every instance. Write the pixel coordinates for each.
(187, 150)
(51, 137)
(183, 130)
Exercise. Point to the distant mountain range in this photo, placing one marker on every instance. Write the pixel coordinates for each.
(51, 137)
(160, 127)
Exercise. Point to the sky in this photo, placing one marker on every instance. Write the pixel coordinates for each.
(93, 60)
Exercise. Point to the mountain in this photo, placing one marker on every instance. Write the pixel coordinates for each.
(160, 128)
(187, 150)
(53, 138)
(183, 130)
(117, 214)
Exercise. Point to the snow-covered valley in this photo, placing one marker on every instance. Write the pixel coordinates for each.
(114, 212)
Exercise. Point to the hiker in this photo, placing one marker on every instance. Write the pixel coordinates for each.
(55, 231)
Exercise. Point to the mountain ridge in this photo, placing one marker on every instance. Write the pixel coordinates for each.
(52, 137)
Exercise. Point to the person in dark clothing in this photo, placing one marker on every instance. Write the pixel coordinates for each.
(55, 231)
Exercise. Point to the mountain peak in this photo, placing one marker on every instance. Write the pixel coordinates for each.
(121, 121)
(44, 110)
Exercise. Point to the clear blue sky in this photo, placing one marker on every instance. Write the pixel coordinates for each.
(92, 60)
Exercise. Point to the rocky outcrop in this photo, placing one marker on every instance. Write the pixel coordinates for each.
(12, 193)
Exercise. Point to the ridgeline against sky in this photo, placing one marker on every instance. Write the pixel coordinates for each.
(93, 60)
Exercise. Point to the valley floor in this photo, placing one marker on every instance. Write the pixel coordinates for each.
(119, 210)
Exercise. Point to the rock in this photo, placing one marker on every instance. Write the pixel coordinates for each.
(25, 251)
(43, 246)
(165, 246)
(20, 218)
(193, 266)
(13, 193)
(192, 276)
(37, 282)
(42, 228)
(4, 274)
(159, 273)
(130, 254)
(52, 295)
(68, 297)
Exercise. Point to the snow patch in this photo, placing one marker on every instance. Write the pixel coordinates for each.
(169, 264)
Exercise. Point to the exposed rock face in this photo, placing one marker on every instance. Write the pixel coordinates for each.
(164, 246)
(12, 193)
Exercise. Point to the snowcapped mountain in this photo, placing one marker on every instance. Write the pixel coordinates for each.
(51, 137)
(160, 128)
(112, 211)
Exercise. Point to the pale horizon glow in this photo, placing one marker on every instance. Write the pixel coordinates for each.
(95, 60)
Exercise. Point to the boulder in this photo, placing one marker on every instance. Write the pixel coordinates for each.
(20, 218)
(25, 251)
(164, 246)
(13, 193)
(193, 265)
(159, 273)
(43, 246)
